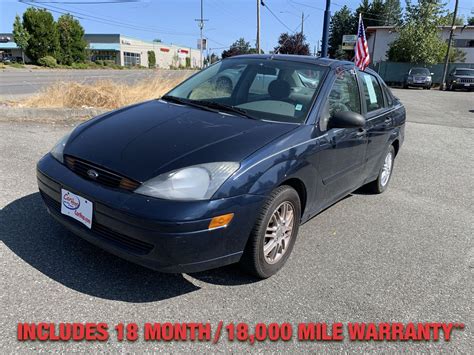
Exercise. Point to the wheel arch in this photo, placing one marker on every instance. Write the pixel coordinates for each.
(300, 188)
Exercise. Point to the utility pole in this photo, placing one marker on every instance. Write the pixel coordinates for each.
(201, 27)
(258, 26)
(327, 15)
(302, 22)
(446, 59)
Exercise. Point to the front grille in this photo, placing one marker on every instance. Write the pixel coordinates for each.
(104, 177)
(134, 245)
(466, 80)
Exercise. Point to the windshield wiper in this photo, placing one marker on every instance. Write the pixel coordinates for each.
(208, 105)
(226, 108)
(189, 102)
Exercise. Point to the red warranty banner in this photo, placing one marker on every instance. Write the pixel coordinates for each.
(242, 332)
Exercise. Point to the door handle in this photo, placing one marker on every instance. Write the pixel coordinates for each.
(388, 120)
(361, 132)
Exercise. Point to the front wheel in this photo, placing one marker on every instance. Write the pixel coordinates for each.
(274, 234)
(381, 183)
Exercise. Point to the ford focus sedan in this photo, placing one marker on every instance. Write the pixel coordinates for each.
(213, 174)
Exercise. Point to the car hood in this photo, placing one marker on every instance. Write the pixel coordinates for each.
(145, 140)
(464, 76)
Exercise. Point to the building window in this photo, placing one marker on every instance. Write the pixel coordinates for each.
(463, 43)
(131, 59)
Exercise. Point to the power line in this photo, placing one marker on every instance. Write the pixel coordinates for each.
(275, 16)
(105, 21)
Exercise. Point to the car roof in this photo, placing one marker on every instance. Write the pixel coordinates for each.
(295, 58)
(464, 69)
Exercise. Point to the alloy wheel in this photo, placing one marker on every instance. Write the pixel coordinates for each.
(279, 232)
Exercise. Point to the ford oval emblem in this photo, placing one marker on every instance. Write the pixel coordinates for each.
(92, 174)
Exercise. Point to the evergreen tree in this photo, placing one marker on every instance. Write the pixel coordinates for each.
(20, 36)
(71, 40)
(343, 22)
(43, 31)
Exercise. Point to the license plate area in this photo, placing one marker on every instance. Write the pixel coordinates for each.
(76, 207)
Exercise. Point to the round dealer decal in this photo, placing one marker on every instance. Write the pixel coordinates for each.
(71, 202)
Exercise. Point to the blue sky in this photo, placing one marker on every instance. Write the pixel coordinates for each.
(173, 21)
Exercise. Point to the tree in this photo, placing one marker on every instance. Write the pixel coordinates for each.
(20, 36)
(419, 40)
(151, 59)
(72, 46)
(238, 47)
(380, 12)
(44, 36)
(393, 13)
(343, 22)
(447, 20)
(470, 21)
(292, 44)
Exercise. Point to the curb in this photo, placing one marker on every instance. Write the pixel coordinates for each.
(66, 115)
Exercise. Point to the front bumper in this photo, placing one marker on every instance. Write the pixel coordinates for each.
(424, 84)
(461, 85)
(168, 236)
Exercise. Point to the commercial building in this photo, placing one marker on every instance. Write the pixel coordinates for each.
(122, 50)
(380, 37)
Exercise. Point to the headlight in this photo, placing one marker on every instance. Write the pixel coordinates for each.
(428, 78)
(410, 77)
(197, 182)
(58, 149)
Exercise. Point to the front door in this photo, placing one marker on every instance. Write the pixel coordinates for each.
(342, 155)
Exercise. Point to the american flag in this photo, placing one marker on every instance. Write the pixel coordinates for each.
(362, 57)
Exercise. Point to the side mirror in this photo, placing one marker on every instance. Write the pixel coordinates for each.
(346, 119)
(432, 73)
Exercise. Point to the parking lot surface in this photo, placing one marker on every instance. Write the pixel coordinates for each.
(404, 256)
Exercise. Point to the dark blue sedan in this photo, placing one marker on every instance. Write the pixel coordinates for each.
(227, 165)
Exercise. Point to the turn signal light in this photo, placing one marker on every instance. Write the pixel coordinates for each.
(221, 221)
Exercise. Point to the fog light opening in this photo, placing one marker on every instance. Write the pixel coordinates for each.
(221, 221)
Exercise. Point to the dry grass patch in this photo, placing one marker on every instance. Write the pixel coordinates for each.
(103, 94)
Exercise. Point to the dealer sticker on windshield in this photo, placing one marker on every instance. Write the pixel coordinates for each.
(77, 207)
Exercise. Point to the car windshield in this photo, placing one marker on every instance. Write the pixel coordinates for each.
(264, 89)
(419, 71)
(465, 72)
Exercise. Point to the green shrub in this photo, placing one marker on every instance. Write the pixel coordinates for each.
(151, 59)
(109, 63)
(80, 65)
(48, 61)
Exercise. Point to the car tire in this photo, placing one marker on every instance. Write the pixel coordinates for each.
(405, 86)
(381, 183)
(260, 258)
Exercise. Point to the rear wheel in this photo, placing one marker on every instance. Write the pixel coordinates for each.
(381, 183)
(274, 234)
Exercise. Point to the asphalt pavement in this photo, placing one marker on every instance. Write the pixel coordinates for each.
(403, 256)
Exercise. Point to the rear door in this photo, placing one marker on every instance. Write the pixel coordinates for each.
(379, 121)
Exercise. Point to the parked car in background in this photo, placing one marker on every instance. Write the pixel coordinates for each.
(418, 77)
(7, 60)
(461, 78)
(206, 177)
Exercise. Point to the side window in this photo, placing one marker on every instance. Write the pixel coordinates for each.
(344, 96)
(388, 96)
(372, 92)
